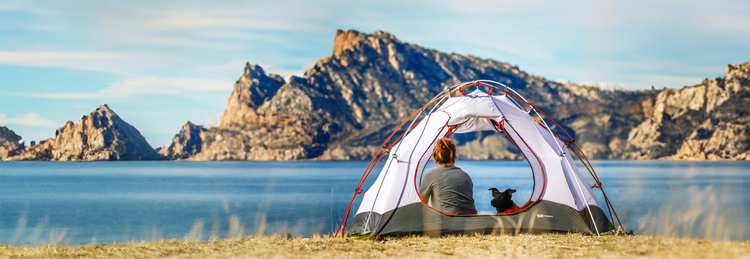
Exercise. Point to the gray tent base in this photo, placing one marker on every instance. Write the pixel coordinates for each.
(418, 219)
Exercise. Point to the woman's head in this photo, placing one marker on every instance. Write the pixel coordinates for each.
(445, 152)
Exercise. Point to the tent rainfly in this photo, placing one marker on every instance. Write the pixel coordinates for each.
(561, 201)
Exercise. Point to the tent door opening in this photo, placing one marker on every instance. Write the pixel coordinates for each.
(513, 174)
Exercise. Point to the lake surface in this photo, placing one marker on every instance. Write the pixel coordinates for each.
(105, 202)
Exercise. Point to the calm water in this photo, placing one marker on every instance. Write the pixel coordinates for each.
(105, 202)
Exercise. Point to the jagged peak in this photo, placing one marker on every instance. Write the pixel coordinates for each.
(103, 111)
(103, 116)
(8, 135)
(345, 40)
(742, 67)
(254, 70)
(383, 34)
(738, 71)
(104, 107)
(189, 126)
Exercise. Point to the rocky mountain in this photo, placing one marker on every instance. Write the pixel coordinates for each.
(347, 103)
(101, 135)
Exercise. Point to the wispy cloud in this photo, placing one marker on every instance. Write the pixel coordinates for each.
(182, 42)
(168, 39)
(659, 81)
(84, 60)
(728, 23)
(604, 85)
(190, 19)
(141, 86)
(645, 82)
(130, 64)
(212, 122)
(29, 119)
(236, 65)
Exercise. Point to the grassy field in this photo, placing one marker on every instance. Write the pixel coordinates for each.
(475, 246)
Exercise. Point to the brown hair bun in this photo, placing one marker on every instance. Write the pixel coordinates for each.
(445, 151)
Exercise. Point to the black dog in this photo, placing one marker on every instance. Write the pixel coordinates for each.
(502, 200)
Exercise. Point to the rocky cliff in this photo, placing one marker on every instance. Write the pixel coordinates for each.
(707, 121)
(347, 103)
(101, 135)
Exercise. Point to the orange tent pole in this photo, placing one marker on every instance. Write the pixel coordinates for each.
(374, 162)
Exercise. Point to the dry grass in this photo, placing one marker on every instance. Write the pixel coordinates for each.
(476, 246)
(707, 215)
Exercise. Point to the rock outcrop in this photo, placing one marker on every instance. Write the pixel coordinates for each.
(185, 144)
(347, 103)
(707, 121)
(10, 143)
(101, 135)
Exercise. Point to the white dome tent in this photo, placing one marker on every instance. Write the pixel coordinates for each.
(561, 201)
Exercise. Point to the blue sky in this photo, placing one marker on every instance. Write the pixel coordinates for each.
(159, 64)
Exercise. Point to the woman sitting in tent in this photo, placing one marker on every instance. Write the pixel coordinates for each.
(449, 188)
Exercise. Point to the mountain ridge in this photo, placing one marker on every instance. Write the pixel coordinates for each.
(343, 107)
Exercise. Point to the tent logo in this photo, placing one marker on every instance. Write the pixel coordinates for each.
(544, 216)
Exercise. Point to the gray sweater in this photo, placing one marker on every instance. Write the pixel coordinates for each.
(449, 189)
